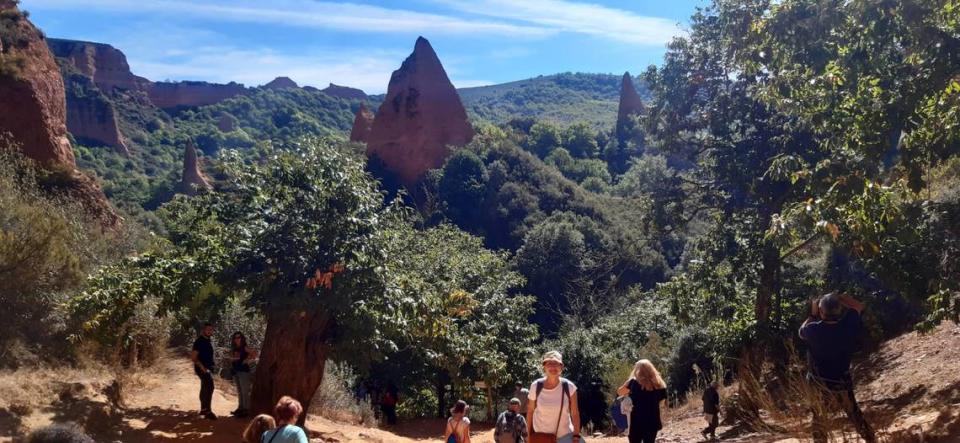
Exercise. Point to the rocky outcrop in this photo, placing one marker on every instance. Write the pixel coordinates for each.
(344, 92)
(33, 111)
(192, 179)
(362, 123)
(91, 117)
(420, 119)
(630, 104)
(281, 83)
(172, 95)
(102, 63)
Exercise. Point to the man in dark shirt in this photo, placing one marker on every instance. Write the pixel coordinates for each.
(203, 366)
(831, 334)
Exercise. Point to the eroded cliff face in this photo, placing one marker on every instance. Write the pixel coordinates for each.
(33, 112)
(172, 95)
(420, 119)
(91, 116)
(362, 123)
(104, 64)
(32, 106)
(344, 92)
(630, 104)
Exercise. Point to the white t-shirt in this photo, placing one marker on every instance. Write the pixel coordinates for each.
(548, 408)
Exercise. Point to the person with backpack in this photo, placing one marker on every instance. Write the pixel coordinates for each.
(511, 425)
(648, 392)
(458, 425)
(831, 333)
(554, 416)
(287, 411)
(711, 410)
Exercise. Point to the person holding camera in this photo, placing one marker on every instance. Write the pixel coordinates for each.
(831, 333)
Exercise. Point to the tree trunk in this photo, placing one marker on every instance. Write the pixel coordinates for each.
(292, 359)
(769, 285)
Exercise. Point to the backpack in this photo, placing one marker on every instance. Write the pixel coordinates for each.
(618, 414)
(508, 429)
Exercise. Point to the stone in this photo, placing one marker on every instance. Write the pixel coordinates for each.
(192, 179)
(104, 64)
(281, 83)
(173, 95)
(362, 123)
(630, 104)
(344, 92)
(91, 117)
(420, 119)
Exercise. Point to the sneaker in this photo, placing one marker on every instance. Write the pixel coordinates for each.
(209, 415)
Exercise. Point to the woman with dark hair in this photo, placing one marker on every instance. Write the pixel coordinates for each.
(241, 357)
(458, 425)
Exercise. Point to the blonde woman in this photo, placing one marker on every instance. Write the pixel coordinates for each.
(647, 391)
(552, 406)
(257, 427)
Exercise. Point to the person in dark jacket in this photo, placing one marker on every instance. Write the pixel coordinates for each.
(711, 410)
(203, 366)
(831, 333)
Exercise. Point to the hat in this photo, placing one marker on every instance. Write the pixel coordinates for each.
(514, 401)
(552, 356)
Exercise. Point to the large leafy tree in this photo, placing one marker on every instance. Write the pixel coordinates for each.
(302, 232)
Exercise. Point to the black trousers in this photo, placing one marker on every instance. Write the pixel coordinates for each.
(206, 390)
(642, 436)
(836, 396)
(712, 427)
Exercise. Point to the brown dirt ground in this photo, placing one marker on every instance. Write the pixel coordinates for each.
(909, 388)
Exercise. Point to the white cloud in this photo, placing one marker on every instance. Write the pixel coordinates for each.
(577, 17)
(305, 13)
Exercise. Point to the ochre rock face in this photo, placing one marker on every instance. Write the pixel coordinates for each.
(32, 105)
(91, 116)
(420, 118)
(33, 111)
(102, 63)
(192, 179)
(166, 95)
(362, 123)
(344, 92)
(281, 83)
(630, 102)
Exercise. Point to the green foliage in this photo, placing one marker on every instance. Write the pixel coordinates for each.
(561, 99)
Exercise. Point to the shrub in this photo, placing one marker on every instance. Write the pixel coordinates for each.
(336, 398)
(59, 433)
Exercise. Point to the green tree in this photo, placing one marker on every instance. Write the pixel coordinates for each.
(544, 137)
(581, 140)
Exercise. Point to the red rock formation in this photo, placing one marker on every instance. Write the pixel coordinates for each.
(630, 103)
(167, 95)
(344, 92)
(32, 105)
(281, 83)
(33, 111)
(192, 179)
(420, 118)
(362, 123)
(103, 63)
(91, 117)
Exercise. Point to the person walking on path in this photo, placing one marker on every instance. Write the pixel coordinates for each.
(241, 356)
(831, 333)
(511, 426)
(552, 410)
(203, 366)
(458, 425)
(711, 410)
(287, 411)
(521, 393)
(647, 392)
(257, 427)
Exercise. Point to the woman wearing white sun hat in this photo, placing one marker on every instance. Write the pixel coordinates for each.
(552, 406)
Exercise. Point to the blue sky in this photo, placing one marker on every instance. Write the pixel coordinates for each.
(360, 43)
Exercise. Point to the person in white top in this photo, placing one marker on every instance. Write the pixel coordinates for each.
(552, 407)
